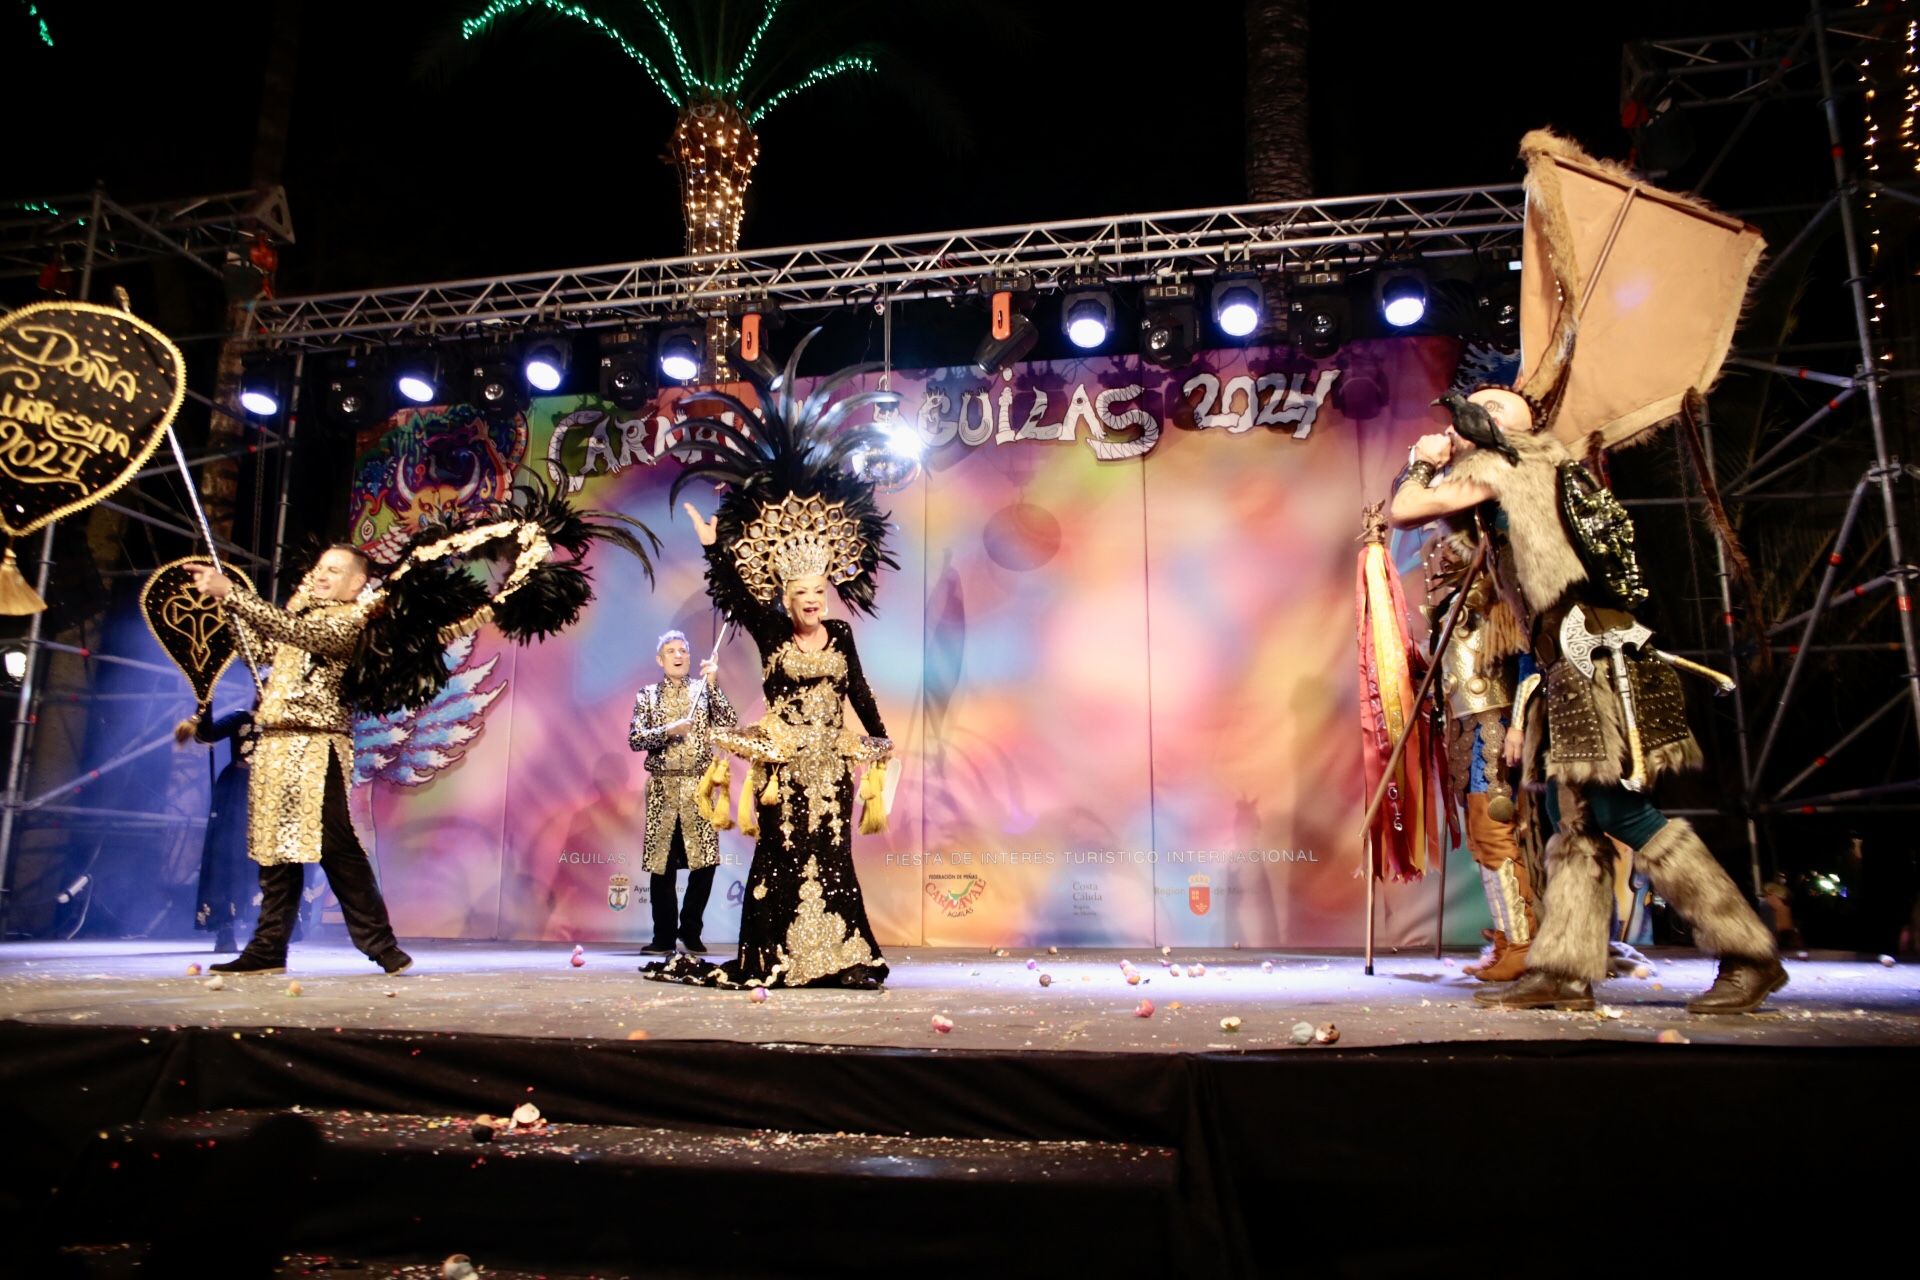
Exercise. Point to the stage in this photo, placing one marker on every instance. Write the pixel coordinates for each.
(1051, 1126)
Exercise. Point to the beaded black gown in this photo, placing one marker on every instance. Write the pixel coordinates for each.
(802, 921)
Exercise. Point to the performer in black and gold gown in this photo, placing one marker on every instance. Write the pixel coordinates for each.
(798, 521)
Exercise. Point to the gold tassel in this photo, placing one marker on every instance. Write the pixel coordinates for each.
(873, 798)
(749, 814)
(16, 597)
(186, 729)
(771, 795)
(719, 778)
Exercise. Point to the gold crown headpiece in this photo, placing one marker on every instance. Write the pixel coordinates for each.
(798, 538)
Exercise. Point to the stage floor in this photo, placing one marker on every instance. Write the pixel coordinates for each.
(995, 1003)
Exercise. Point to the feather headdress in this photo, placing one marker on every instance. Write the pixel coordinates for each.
(798, 500)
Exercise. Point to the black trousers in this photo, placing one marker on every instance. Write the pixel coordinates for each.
(349, 872)
(660, 892)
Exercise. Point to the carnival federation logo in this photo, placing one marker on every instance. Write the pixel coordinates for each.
(1199, 894)
(619, 889)
(957, 896)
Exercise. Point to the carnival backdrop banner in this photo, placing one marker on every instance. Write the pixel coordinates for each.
(1117, 660)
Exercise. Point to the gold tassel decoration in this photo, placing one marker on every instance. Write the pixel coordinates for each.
(873, 800)
(719, 779)
(16, 596)
(749, 815)
(186, 729)
(771, 795)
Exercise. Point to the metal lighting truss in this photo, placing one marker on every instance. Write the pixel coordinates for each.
(102, 232)
(1753, 68)
(1350, 231)
(85, 234)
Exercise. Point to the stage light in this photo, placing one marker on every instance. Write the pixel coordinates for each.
(626, 376)
(1086, 315)
(750, 347)
(1237, 305)
(493, 386)
(1168, 326)
(264, 381)
(1318, 311)
(996, 353)
(15, 659)
(354, 399)
(544, 358)
(1402, 296)
(416, 374)
(680, 352)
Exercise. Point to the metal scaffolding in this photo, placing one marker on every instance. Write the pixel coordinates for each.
(1753, 70)
(69, 242)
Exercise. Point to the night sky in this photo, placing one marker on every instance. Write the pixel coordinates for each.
(542, 150)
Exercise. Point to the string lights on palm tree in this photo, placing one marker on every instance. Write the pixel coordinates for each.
(722, 89)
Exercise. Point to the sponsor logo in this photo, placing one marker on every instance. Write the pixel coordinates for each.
(1199, 894)
(955, 893)
(619, 889)
(575, 858)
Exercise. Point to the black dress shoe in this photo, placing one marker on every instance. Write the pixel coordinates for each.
(693, 945)
(1538, 989)
(1740, 986)
(251, 962)
(657, 948)
(394, 961)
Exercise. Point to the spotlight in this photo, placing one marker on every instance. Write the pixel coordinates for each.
(1010, 334)
(354, 399)
(1168, 327)
(626, 376)
(544, 357)
(14, 659)
(1086, 315)
(1237, 306)
(1497, 298)
(996, 352)
(494, 387)
(680, 349)
(416, 374)
(752, 330)
(1319, 313)
(264, 381)
(1402, 296)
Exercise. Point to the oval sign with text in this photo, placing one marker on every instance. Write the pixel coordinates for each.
(86, 395)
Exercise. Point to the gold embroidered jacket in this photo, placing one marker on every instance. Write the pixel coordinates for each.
(305, 728)
(674, 766)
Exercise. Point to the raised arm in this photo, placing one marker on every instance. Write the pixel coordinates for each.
(1415, 503)
(326, 632)
(857, 691)
(767, 625)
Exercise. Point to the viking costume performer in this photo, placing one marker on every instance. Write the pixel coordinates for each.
(673, 721)
(339, 647)
(796, 520)
(1614, 719)
(1480, 670)
(225, 892)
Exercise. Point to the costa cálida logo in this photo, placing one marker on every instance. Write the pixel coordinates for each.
(955, 892)
(619, 889)
(1199, 894)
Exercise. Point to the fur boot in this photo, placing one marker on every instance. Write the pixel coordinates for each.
(1685, 873)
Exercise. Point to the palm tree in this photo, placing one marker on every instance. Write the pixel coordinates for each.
(709, 65)
(1279, 156)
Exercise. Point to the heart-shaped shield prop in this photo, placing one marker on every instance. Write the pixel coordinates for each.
(190, 626)
(86, 394)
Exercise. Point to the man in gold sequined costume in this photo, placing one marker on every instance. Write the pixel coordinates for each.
(672, 722)
(1610, 732)
(1480, 670)
(298, 792)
